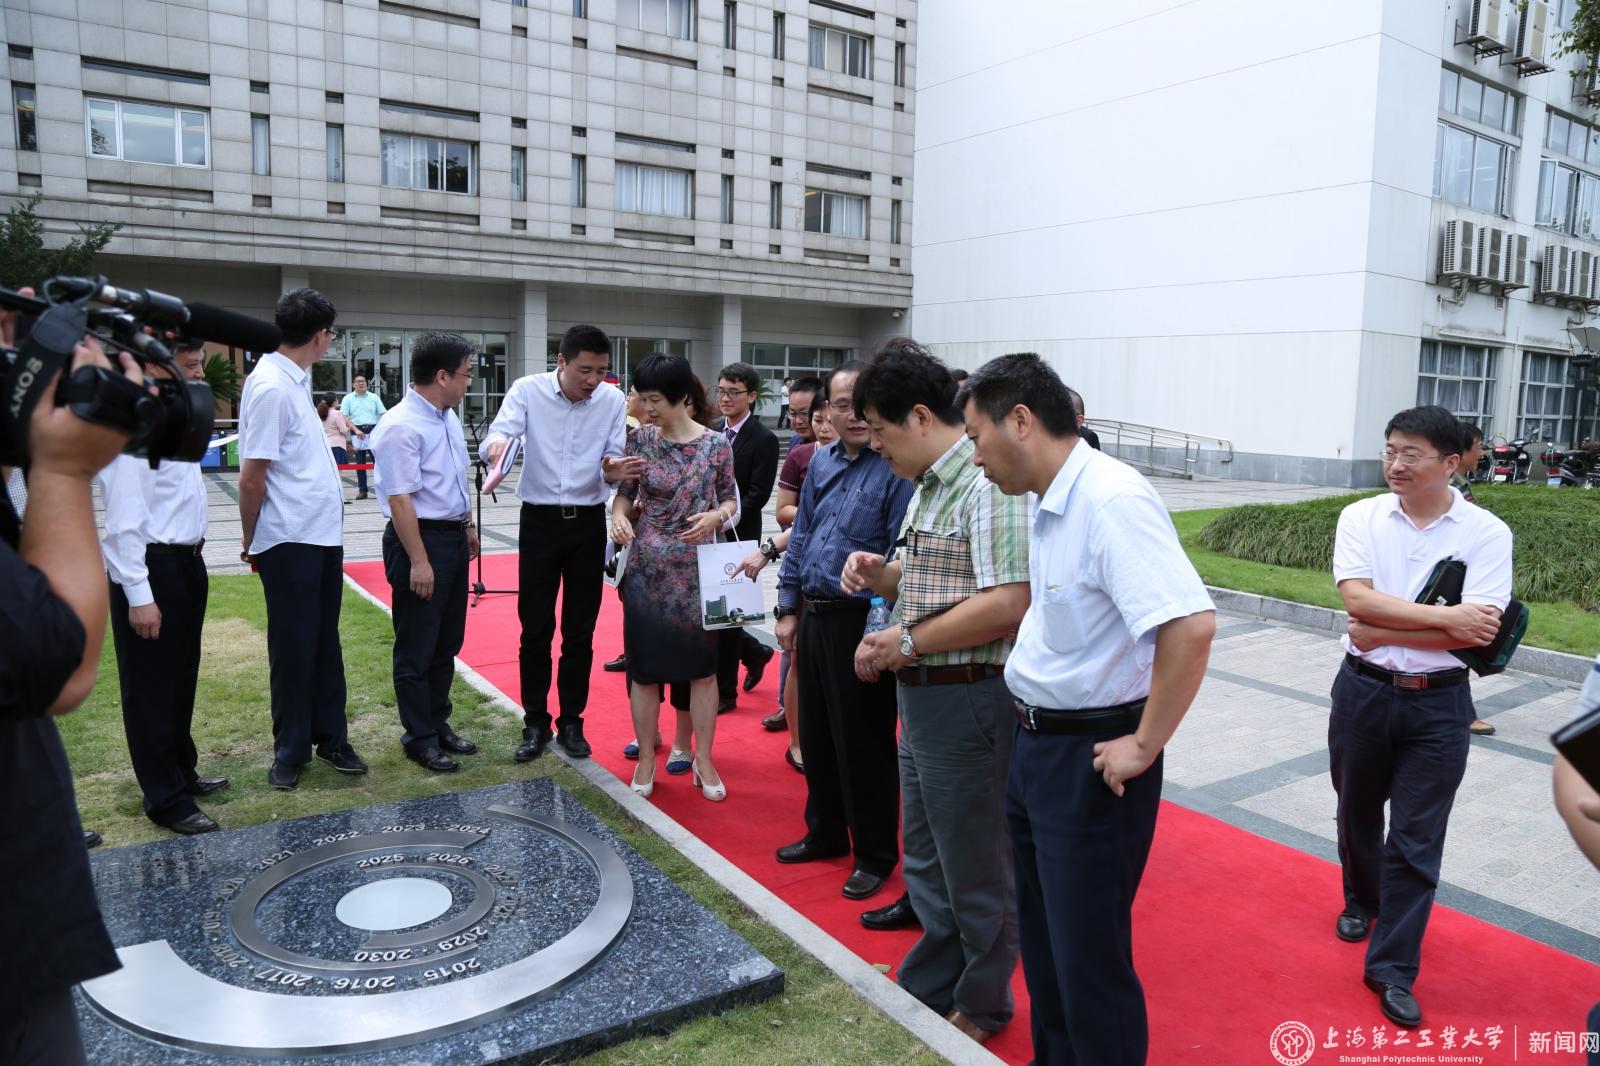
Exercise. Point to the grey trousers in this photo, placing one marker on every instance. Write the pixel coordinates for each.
(955, 750)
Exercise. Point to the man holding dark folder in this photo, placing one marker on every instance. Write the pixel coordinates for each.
(1401, 703)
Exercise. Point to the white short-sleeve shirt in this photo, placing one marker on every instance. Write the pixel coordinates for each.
(304, 502)
(1377, 541)
(1107, 572)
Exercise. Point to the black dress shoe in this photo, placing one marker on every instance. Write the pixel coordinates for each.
(435, 760)
(617, 665)
(283, 777)
(755, 668)
(897, 915)
(724, 706)
(861, 884)
(457, 745)
(776, 722)
(788, 757)
(1351, 928)
(204, 786)
(534, 741)
(193, 825)
(343, 759)
(803, 851)
(1398, 1004)
(91, 839)
(570, 737)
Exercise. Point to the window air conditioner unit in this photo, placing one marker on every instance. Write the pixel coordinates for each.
(1458, 253)
(1516, 262)
(1555, 271)
(1532, 29)
(1491, 253)
(1485, 23)
(1582, 275)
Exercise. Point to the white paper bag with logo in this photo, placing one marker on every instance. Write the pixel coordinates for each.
(728, 599)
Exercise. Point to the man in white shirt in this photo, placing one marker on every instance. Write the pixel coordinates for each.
(291, 508)
(155, 526)
(1107, 660)
(574, 427)
(1401, 702)
(421, 480)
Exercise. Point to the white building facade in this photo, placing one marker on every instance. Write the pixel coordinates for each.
(730, 180)
(1228, 217)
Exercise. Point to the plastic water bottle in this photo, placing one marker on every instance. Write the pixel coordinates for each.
(877, 616)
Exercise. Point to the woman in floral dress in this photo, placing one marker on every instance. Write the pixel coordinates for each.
(687, 493)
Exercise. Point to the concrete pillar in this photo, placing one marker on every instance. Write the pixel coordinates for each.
(727, 340)
(529, 345)
(293, 277)
(879, 324)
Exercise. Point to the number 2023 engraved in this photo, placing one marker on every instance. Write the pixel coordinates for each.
(402, 829)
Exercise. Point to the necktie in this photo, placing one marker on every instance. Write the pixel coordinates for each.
(729, 432)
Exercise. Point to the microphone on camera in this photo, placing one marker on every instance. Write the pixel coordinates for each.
(197, 321)
(221, 326)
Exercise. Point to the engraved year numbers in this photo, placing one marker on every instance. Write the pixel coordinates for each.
(361, 984)
(402, 829)
(482, 829)
(379, 860)
(395, 955)
(461, 940)
(335, 837)
(457, 860)
(287, 978)
(273, 859)
(453, 970)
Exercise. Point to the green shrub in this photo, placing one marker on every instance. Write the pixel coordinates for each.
(1557, 534)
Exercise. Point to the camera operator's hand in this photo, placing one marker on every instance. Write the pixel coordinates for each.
(63, 443)
(145, 620)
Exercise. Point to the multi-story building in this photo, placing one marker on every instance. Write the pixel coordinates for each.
(1274, 224)
(728, 180)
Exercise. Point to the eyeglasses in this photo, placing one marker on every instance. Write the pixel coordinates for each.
(332, 333)
(733, 393)
(842, 405)
(1391, 457)
(798, 415)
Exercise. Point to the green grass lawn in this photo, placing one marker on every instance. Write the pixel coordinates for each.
(817, 1019)
(1559, 626)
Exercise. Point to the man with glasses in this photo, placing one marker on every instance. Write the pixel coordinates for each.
(291, 510)
(1401, 704)
(755, 468)
(363, 409)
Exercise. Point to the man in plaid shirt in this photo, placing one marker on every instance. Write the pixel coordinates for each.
(960, 579)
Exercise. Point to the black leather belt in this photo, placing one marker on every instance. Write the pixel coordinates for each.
(448, 525)
(1414, 682)
(1123, 718)
(563, 510)
(954, 674)
(830, 606)
(175, 549)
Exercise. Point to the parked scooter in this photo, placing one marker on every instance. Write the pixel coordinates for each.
(1512, 461)
(1565, 469)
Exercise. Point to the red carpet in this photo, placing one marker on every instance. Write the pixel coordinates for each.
(1234, 931)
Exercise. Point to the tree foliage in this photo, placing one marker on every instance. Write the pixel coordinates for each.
(223, 377)
(24, 259)
(1582, 36)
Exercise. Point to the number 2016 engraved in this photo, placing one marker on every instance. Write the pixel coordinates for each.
(362, 984)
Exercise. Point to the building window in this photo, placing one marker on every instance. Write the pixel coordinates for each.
(1569, 186)
(900, 64)
(429, 163)
(846, 53)
(777, 35)
(1562, 12)
(580, 9)
(1465, 97)
(580, 181)
(335, 153)
(836, 213)
(1470, 167)
(675, 18)
(1548, 407)
(730, 25)
(651, 142)
(1459, 377)
(654, 190)
(727, 198)
(775, 205)
(519, 174)
(894, 222)
(260, 145)
(147, 133)
(23, 103)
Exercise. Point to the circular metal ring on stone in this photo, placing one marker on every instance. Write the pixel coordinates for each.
(160, 996)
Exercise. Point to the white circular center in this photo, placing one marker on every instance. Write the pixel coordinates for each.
(395, 903)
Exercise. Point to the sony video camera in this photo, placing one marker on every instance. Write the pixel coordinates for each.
(169, 417)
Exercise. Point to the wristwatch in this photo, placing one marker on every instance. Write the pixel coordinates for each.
(784, 612)
(908, 647)
(770, 549)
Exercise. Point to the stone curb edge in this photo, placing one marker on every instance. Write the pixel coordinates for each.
(899, 1005)
(1552, 664)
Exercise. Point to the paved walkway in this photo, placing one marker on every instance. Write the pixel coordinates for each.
(1253, 750)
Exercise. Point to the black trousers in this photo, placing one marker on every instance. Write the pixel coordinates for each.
(734, 646)
(362, 455)
(427, 633)
(157, 678)
(1408, 748)
(1079, 852)
(304, 586)
(566, 555)
(847, 742)
(43, 1033)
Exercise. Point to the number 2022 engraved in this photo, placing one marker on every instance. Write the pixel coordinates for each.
(455, 969)
(272, 975)
(380, 860)
(402, 829)
(335, 838)
(391, 955)
(362, 984)
(461, 940)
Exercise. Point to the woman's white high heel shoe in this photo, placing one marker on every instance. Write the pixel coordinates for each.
(645, 788)
(715, 793)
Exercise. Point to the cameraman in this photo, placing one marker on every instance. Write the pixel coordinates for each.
(52, 624)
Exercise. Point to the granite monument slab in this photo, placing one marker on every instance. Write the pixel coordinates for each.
(506, 924)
